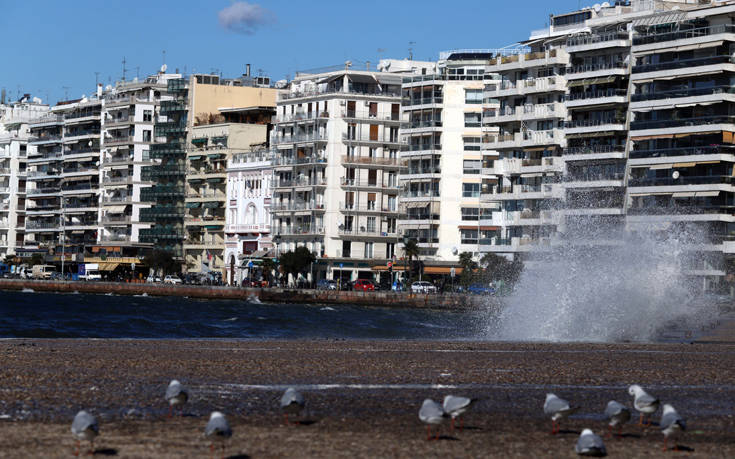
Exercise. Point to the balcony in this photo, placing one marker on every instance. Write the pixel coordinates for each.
(173, 128)
(680, 93)
(159, 232)
(206, 221)
(426, 125)
(163, 171)
(593, 125)
(410, 101)
(366, 233)
(420, 149)
(297, 206)
(370, 208)
(707, 121)
(683, 64)
(365, 184)
(683, 151)
(525, 139)
(116, 237)
(162, 191)
(306, 160)
(682, 180)
(119, 121)
(300, 116)
(111, 141)
(44, 139)
(47, 120)
(525, 113)
(529, 86)
(527, 60)
(578, 72)
(367, 140)
(301, 182)
(594, 152)
(161, 211)
(279, 140)
(371, 162)
(41, 225)
(389, 118)
(302, 230)
(42, 191)
(350, 91)
(663, 37)
(600, 97)
(172, 106)
(122, 180)
(114, 220)
(597, 41)
(166, 150)
(80, 134)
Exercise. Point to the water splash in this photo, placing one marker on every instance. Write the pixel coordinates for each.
(629, 290)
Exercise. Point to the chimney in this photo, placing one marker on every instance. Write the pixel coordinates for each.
(367, 66)
(2, 97)
(247, 70)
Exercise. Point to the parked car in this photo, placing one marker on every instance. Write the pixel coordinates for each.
(326, 284)
(153, 278)
(43, 271)
(174, 280)
(423, 287)
(363, 285)
(479, 289)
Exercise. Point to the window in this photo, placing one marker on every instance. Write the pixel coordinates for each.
(147, 135)
(472, 166)
(371, 201)
(473, 96)
(470, 190)
(346, 249)
(148, 115)
(373, 132)
(390, 250)
(472, 143)
(472, 120)
(470, 213)
(371, 226)
(369, 250)
(469, 236)
(392, 203)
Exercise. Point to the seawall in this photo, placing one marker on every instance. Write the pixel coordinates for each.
(456, 302)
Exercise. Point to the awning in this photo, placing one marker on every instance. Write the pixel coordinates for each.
(591, 81)
(652, 137)
(481, 228)
(702, 194)
(668, 17)
(661, 166)
(192, 205)
(447, 270)
(213, 227)
(530, 175)
(199, 140)
(397, 266)
(117, 167)
(108, 266)
(416, 205)
(366, 79)
(678, 165)
(211, 205)
(215, 179)
(684, 195)
(710, 44)
(195, 157)
(584, 135)
(115, 209)
(535, 149)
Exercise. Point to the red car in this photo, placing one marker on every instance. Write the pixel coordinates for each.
(364, 285)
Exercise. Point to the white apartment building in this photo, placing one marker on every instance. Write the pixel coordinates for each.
(14, 135)
(447, 171)
(336, 168)
(129, 112)
(248, 212)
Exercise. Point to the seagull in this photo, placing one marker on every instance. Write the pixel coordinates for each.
(644, 403)
(671, 424)
(431, 413)
(617, 414)
(590, 444)
(558, 409)
(455, 407)
(217, 429)
(85, 427)
(292, 402)
(176, 394)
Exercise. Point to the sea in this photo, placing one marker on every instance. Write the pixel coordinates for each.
(29, 314)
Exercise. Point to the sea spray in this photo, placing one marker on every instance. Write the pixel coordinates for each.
(628, 288)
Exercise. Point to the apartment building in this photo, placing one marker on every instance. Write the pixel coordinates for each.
(447, 171)
(63, 179)
(336, 169)
(130, 111)
(214, 140)
(248, 212)
(14, 136)
(683, 122)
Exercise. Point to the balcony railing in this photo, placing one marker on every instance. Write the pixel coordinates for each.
(422, 147)
(290, 161)
(347, 182)
(683, 93)
(591, 123)
(595, 39)
(300, 182)
(594, 177)
(316, 137)
(299, 230)
(368, 139)
(366, 232)
(683, 63)
(683, 151)
(351, 207)
(293, 206)
(44, 190)
(418, 124)
(596, 67)
(408, 101)
(698, 121)
(683, 210)
(366, 160)
(300, 116)
(682, 34)
(597, 94)
(593, 149)
(682, 180)
(351, 91)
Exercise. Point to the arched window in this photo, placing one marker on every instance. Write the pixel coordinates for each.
(251, 215)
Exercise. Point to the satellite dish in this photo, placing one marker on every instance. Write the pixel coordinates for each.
(89, 144)
(164, 67)
(605, 4)
(597, 7)
(675, 175)
(454, 251)
(108, 87)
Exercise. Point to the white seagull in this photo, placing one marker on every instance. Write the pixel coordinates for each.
(616, 414)
(590, 444)
(218, 429)
(671, 424)
(431, 413)
(292, 402)
(455, 407)
(558, 409)
(176, 395)
(85, 427)
(643, 402)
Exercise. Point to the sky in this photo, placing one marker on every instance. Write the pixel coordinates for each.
(58, 49)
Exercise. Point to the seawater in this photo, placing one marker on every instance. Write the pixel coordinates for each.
(51, 315)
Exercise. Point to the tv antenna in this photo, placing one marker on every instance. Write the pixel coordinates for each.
(411, 44)
(96, 79)
(123, 68)
(381, 51)
(66, 92)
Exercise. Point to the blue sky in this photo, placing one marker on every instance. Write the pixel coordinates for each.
(51, 44)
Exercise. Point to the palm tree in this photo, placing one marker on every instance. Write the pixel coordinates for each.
(410, 250)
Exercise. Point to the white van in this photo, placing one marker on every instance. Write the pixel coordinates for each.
(43, 271)
(91, 272)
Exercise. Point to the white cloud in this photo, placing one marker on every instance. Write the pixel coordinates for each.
(244, 17)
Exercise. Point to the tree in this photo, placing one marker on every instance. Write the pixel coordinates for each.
(411, 250)
(268, 266)
(161, 260)
(468, 268)
(296, 262)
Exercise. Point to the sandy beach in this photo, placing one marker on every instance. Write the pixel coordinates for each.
(362, 396)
